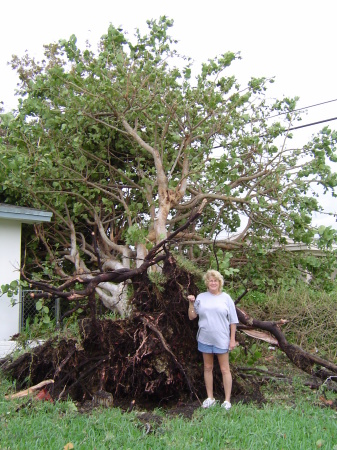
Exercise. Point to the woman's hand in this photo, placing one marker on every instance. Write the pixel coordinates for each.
(191, 311)
(232, 345)
(232, 341)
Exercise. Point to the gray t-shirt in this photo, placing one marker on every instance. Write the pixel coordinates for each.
(216, 313)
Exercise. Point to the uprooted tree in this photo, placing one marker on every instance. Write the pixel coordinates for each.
(124, 144)
(150, 356)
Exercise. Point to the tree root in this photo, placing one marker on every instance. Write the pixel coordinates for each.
(167, 348)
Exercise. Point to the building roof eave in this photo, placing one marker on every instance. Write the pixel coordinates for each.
(23, 214)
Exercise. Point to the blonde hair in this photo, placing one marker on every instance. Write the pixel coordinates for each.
(214, 274)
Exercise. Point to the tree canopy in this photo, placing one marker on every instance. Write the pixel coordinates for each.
(123, 144)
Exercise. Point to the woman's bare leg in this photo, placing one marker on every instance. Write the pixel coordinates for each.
(226, 374)
(208, 373)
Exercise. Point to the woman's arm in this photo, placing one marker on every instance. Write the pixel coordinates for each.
(191, 311)
(232, 342)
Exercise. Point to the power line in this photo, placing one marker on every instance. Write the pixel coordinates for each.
(313, 123)
(296, 128)
(300, 109)
(305, 107)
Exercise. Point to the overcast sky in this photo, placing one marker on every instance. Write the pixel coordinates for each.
(293, 40)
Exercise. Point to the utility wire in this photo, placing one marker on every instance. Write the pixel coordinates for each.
(296, 128)
(300, 109)
(313, 123)
(305, 107)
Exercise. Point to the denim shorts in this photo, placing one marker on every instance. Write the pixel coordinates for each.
(205, 348)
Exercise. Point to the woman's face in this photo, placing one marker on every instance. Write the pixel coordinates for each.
(213, 285)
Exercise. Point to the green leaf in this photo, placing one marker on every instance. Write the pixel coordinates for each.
(14, 284)
(4, 288)
(39, 305)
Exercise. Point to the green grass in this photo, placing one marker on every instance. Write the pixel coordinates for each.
(270, 427)
(301, 424)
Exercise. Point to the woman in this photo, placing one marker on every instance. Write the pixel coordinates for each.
(216, 334)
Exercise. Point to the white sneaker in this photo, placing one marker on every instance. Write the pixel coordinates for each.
(226, 405)
(208, 402)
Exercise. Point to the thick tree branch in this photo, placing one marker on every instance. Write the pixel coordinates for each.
(67, 290)
(302, 359)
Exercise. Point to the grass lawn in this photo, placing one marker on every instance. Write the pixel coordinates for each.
(296, 422)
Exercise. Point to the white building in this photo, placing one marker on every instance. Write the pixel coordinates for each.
(11, 218)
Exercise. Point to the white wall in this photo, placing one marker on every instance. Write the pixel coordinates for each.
(10, 256)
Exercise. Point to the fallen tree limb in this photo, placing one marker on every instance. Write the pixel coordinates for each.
(260, 335)
(302, 359)
(30, 391)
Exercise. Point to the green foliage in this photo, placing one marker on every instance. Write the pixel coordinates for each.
(188, 265)
(222, 263)
(42, 324)
(70, 328)
(135, 235)
(264, 269)
(12, 289)
(158, 279)
(111, 315)
(119, 145)
(241, 356)
(256, 297)
(327, 236)
(191, 267)
(43, 311)
(320, 270)
(34, 331)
